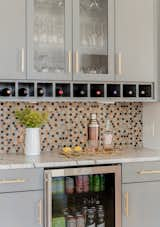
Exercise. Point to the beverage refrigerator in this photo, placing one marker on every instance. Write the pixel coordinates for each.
(83, 197)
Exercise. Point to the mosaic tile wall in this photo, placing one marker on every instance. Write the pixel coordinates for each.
(68, 124)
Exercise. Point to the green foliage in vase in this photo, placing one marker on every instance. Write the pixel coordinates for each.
(31, 118)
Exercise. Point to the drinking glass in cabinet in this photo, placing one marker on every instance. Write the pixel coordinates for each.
(93, 37)
(48, 36)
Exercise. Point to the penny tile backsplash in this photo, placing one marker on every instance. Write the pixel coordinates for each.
(67, 125)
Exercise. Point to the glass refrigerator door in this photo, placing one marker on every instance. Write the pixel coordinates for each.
(93, 39)
(51, 39)
(84, 197)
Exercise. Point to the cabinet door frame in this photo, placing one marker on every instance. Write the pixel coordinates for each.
(77, 76)
(67, 75)
(13, 40)
(22, 209)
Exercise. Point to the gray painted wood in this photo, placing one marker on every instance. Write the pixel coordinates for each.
(12, 39)
(143, 205)
(76, 45)
(131, 172)
(31, 73)
(135, 39)
(20, 209)
(28, 179)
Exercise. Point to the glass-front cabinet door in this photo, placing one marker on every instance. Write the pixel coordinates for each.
(93, 40)
(50, 39)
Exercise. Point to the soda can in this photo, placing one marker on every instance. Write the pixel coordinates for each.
(79, 184)
(69, 183)
(91, 183)
(102, 180)
(85, 183)
(60, 185)
(97, 183)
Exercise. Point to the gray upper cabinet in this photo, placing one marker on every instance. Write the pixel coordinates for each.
(136, 23)
(12, 39)
(141, 203)
(21, 209)
(93, 40)
(49, 39)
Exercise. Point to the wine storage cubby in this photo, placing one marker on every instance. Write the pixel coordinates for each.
(54, 91)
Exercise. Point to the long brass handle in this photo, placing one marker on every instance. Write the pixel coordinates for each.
(40, 212)
(69, 61)
(12, 181)
(22, 60)
(77, 62)
(48, 200)
(126, 204)
(143, 172)
(120, 64)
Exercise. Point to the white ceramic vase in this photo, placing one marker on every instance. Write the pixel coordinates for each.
(32, 141)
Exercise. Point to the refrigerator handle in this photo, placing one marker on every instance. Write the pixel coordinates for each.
(48, 200)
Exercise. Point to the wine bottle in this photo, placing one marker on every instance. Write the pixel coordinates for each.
(23, 92)
(40, 92)
(6, 92)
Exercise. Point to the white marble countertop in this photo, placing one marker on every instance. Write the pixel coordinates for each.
(53, 159)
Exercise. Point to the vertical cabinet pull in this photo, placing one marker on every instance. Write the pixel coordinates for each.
(119, 64)
(69, 61)
(77, 62)
(22, 60)
(126, 204)
(40, 213)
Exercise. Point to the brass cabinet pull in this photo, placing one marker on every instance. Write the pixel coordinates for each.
(69, 61)
(40, 213)
(77, 62)
(119, 64)
(12, 181)
(22, 60)
(143, 172)
(126, 204)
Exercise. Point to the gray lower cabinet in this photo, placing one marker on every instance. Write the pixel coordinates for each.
(21, 209)
(141, 194)
(12, 39)
(141, 202)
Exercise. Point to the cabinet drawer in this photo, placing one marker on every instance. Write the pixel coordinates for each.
(140, 172)
(21, 180)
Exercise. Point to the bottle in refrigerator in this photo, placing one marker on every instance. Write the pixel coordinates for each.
(90, 218)
(70, 221)
(58, 222)
(60, 185)
(80, 220)
(100, 219)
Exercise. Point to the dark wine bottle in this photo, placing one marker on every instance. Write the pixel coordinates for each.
(60, 92)
(6, 92)
(23, 92)
(40, 92)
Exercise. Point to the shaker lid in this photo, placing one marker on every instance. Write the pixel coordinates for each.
(93, 116)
